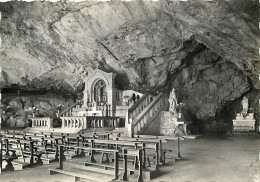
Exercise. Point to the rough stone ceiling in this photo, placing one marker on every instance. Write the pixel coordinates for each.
(58, 38)
(207, 50)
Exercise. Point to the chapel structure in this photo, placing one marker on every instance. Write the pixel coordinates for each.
(103, 98)
(106, 107)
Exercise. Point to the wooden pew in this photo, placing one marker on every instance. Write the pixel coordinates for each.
(61, 159)
(135, 153)
(152, 144)
(6, 157)
(167, 138)
(26, 148)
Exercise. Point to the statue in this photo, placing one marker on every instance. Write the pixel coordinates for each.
(126, 100)
(245, 106)
(173, 103)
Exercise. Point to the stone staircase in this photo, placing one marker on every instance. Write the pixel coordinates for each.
(144, 112)
(138, 123)
(71, 110)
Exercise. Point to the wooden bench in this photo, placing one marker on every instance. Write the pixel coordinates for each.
(167, 138)
(134, 153)
(61, 156)
(26, 148)
(6, 157)
(154, 144)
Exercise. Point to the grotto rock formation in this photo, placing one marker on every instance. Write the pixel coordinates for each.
(207, 51)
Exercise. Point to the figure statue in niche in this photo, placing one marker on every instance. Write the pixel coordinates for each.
(173, 103)
(245, 106)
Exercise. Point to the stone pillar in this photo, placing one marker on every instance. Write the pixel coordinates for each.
(33, 123)
(98, 123)
(102, 123)
(49, 123)
(71, 123)
(94, 120)
(62, 123)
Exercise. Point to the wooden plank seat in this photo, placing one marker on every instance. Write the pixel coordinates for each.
(167, 138)
(111, 143)
(146, 143)
(81, 174)
(26, 148)
(137, 153)
(106, 166)
(105, 169)
(61, 157)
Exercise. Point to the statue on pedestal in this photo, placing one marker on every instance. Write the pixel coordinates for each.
(244, 120)
(245, 106)
(173, 103)
(177, 118)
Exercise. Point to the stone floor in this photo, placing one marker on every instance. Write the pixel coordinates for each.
(219, 158)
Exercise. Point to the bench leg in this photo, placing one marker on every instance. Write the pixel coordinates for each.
(9, 166)
(92, 159)
(179, 150)
(13, 154)
(82, 153)
(102, 157)
(164, 153)
(136, 163)
(144, 163)
(148, 161)
(140, 176)
(125, 165)
(39, 160)
(76, 178)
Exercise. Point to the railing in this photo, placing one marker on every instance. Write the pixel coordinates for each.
(68, 111)
(43, 122)
(86, 122)
(148, 114)
(138, 107)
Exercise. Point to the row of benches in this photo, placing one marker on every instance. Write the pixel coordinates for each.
(34, 145)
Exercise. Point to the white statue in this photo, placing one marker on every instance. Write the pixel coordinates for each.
(173, 103)
(245, 106)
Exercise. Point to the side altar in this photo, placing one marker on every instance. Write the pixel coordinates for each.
(244, 120)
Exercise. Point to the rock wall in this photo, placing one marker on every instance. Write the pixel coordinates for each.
(168, 124)
(16, 110)
(207, 51)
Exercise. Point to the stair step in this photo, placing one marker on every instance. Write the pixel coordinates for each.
(77, 174)
(78, 109)
(88, 168)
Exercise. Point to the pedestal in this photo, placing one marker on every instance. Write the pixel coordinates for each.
(243, 125)
(169, 124)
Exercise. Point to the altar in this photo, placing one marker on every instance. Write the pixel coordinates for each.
(244, 124)
(244, 121)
